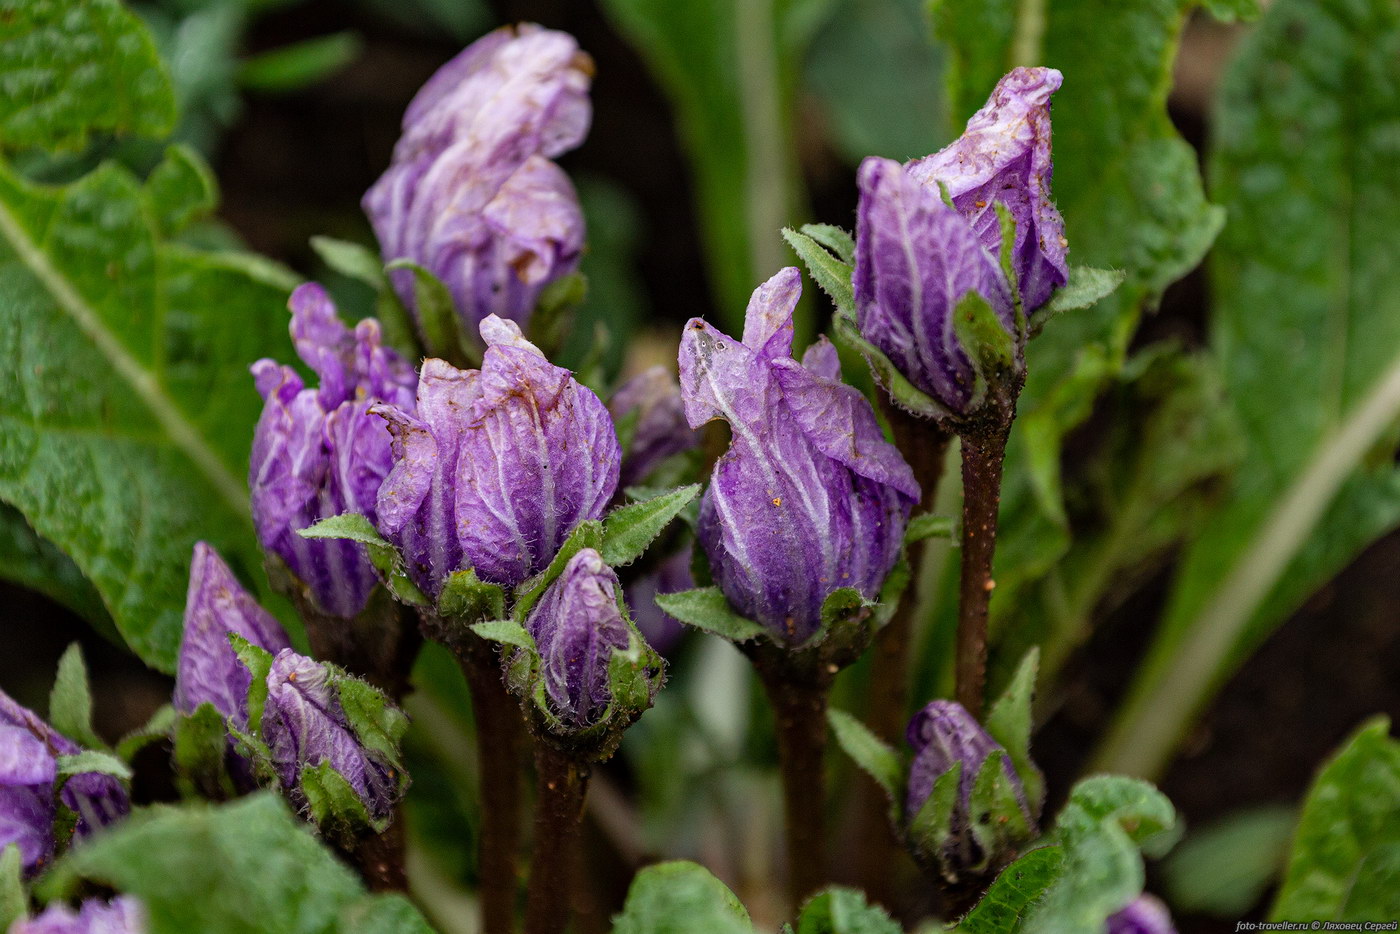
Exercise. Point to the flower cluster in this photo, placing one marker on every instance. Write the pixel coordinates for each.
(471, 195)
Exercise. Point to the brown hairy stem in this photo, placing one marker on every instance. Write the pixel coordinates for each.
(982, 457)
(563, 784)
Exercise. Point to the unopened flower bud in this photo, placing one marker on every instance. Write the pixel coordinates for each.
(305, 725)
(1144, 915)
(497, 467)
(577, 625)
(319, 453)
(471, 195)
(209, 669)
(810, 497)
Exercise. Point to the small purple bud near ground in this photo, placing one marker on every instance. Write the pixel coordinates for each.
(319, 453)
(810, 497)
(1144, 915)
(498, 465)
(121, 915)
(471, 194)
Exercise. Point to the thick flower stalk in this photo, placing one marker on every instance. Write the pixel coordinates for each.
(944, 735)
(498, 465)
(29, 773)
(808, 500)
(949, 304)
(317, 452)
(121, 915)
(471, 195)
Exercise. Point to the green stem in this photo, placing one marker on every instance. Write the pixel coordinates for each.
(1166, 697)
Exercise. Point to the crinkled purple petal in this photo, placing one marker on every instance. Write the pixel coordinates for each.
(122, 915)
(1004, 156)
(660, 430)
(24, 759)
(784, 522)
(768, 318)
(26, 820)
(915, 260)
(215, 605)
(576, 625)
(304, 725)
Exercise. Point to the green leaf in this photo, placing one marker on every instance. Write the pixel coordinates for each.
(126, 410)
(438, 324)
(999, 821)
(1343, 863)
(258, 661)
(628, 531)
(836, 239)
(200, 748)
(933, 824)
(352, 526)
(333, 803)
(378, 723)
(680, 898)
(1010, 721)
(707, 608)
(1002, 909)
(93, 760)
(730, 68)
(353, 260)
(830, 272)
(77, 67)
(160, 726)
(35, 563)
(991, 346)
(14, 903)
(844, 911)
(465, 596)
(868, 751)
(70, 701)
(1087, 287)
(249, 861)
(1224, 867)
(1303, 160)
(927, 525)
(507, 632)
(291, 67)
(182, 189)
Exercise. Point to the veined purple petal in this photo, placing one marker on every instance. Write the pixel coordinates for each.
(1004, 156)
(209, 669)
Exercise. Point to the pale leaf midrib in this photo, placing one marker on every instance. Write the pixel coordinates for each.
(180, 431)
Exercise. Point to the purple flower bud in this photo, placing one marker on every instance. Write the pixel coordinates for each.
(810, 497)
(1144, 915)
(209, 669)
(497, 467)
(660, 430)
(1004, 156)
(304, 725)
(29, 751)
(944, 733)
(471, 195)
(318, 453)
(915, 260)
(576, 625)
(122, 915)
(661, 630)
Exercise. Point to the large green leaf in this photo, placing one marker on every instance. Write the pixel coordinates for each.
(249, 866)
(1345, 863)
(126, 409)
(1132, 199)
(72, 67)
(31, 562)
(1307, 330)
(680, 898)
(730, 68)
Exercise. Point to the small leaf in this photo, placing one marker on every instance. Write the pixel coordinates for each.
(887, 374)
(1005, 257)
(507, 632)
(998, 817)
(438, 323)
(70, 701)
(351, 526)
(628, 683)
(352, 260)
(844, 911)
(868, 751)
(680, 898)
(295, 66)
(467, 597)
(201, 745)
(927, 525)
(986, 340)
(258, 661)
(587, 534)
(1009, 722)
(1087, 286)
(92, 760)
(933, 824)
(629, 530)
(830, 273)
(378, 723)
(707, 608)
(1019, 886)
(14, 904)
(333, 803)
(836, 239)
